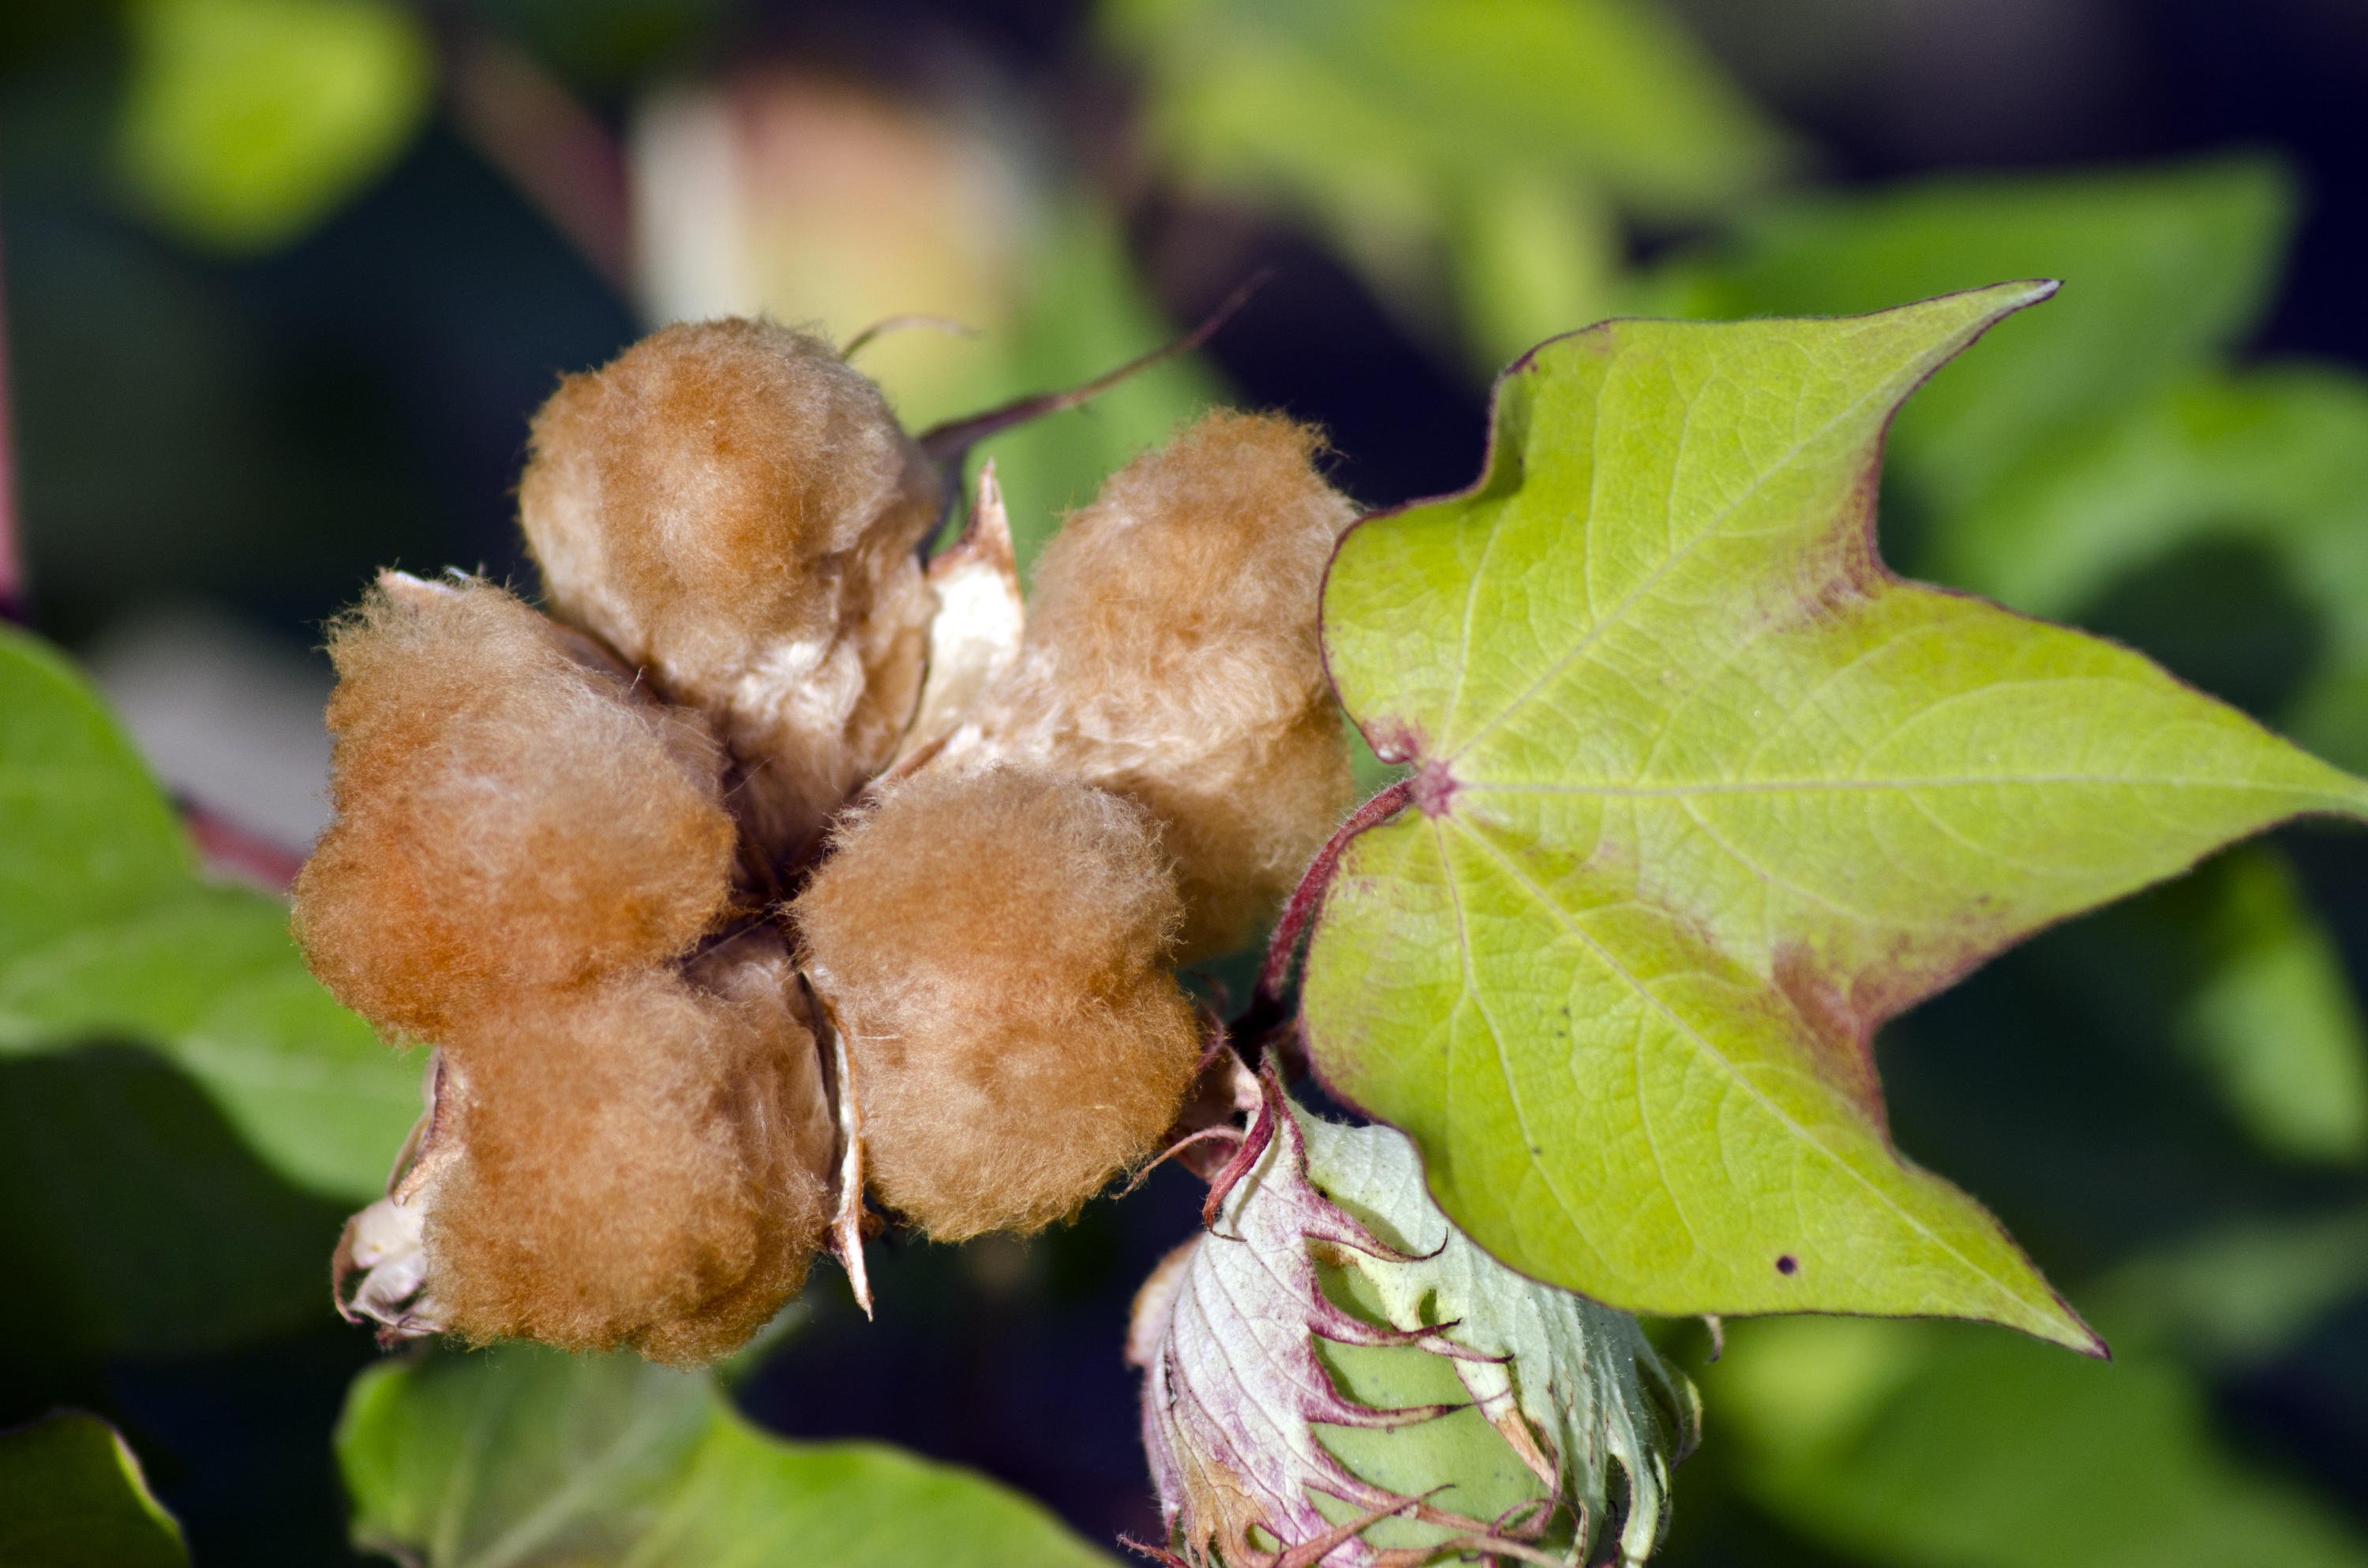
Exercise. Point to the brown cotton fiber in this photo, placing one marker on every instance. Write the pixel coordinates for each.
(993, 943)
(508, 813)
(643, 1163)
(732, 507)
(1171, 655)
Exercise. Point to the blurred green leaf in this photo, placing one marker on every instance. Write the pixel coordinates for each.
(108, 934)
(2273, 1018)
(2161, 270)
(72, 1496)
(1702, 796)
(1932, 1446)
(521, 1455)
(137, 1222)
(2277, 456)
(2241, 1293)
(1446, 143)
(247, 121)
(1086, 314)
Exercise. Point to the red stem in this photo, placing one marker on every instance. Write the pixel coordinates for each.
(15, 601)
(551, 148)
(948, 444)
(1310, 891)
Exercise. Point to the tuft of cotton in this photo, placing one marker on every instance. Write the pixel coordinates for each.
(731, 507)
(1171, 656)
(509, 812)
(642, 1161)
(994, 943)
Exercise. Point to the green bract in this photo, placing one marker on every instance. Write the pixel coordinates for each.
(1705, 794)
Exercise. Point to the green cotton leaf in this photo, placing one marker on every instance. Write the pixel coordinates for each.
(2240, 1294)
(1533, 259)
(106, 933)
(1928, 1446)
(522, 1455)
(1610, 90)
(1502, 139)
(2272, 1020)
(1703, 795)
(71, 1495)
(247, 121)
(2161, 271)
(1086, 314)
(135, 1221)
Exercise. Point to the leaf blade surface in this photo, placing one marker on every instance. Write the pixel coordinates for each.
(1705, 795)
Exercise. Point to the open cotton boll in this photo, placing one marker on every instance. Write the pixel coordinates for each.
(643, 1163)
(731, 506)
(508, 813)
(1171, 655)
(994, 945)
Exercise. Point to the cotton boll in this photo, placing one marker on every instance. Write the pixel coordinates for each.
(644, 1164)
(732, 507)
(994, 943)
(509, 813)
(1171, 655)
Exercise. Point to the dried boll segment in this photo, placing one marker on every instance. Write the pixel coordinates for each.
(732, 507)
(509, 813)
(1171, 655)
(642, 1162)
(993, 944)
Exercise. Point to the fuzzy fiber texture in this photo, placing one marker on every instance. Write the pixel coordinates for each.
(508, 814)
(733, 508)
(643, 1163)
(1171, 656)
(995, 944)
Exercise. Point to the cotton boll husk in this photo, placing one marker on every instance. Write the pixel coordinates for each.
(644, 1164)
(1171, 655)
(732, 507)
(994, 945)
(508, 813)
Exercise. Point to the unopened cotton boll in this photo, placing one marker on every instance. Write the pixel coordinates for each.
(644, 1162)
(994, 945)
(731, 506)
(508, 812)
(1171, 655)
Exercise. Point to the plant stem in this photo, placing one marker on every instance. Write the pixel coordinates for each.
(15, 598)
(1266, 1005)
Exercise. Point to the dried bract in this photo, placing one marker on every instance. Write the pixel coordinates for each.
(995, 944)
(508, 813)
(1171, 655)
(731, 507)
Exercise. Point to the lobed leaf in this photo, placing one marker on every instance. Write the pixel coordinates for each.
(1705, 795)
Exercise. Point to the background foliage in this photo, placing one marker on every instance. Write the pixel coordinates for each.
(284, 276)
